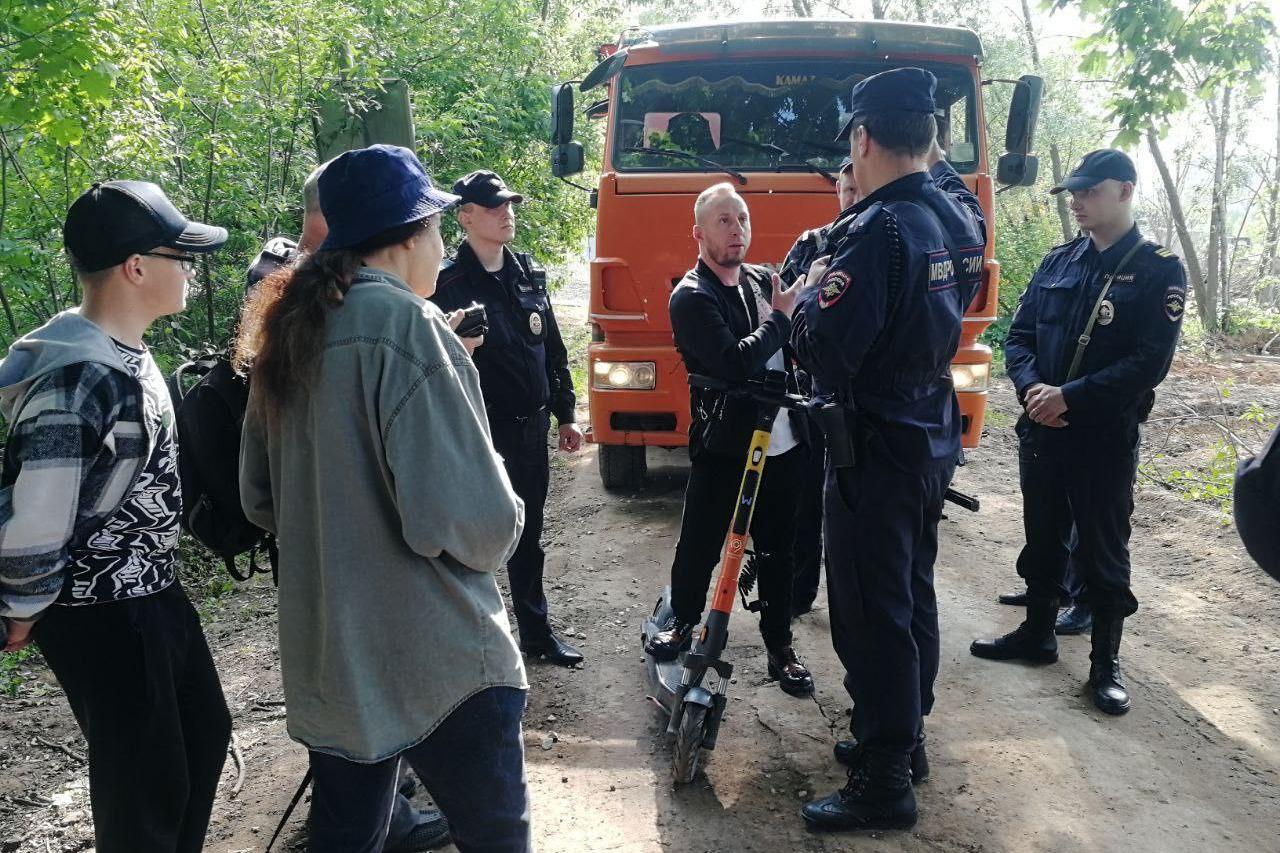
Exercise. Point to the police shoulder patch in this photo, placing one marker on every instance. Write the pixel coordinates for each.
(1175, 303)
(833, 286)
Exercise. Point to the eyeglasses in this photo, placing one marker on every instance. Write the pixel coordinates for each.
(187, 262)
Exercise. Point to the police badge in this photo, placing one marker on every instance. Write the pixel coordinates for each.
(1106, 313)
(535, 323)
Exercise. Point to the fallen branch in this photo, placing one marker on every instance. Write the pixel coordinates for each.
(238, 757)
(65, 750)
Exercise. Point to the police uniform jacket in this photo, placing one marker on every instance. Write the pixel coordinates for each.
(883, 324)
(523, 364)
(1131, 346)
(719, 334)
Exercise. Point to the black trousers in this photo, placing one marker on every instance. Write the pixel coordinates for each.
(1095, 492)
(881, 547)
(1073, 586)
(709, 502)
(142, 685)
(522, 443)
(472, 764)
(807, 551)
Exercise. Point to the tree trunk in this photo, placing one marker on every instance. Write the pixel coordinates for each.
(1267, 265)
(922, 14)
(1189, 254)
(1217, 226)
(1055, 156)
(877, 9)
(4, 204)
(802, 8)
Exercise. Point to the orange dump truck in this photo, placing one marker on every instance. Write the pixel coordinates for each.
(758, 104)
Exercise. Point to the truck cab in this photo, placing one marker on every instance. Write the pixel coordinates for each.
(757, 104)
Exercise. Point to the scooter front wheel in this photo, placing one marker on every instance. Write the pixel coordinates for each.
(688, 753)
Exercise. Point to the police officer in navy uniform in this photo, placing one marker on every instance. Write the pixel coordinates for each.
(524, 373)
(807, 551)
(1093, 335)
(879, 326)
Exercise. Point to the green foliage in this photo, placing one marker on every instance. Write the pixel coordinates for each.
(14, 668)
(214, 100)
(1212, 483)
(1161, 54)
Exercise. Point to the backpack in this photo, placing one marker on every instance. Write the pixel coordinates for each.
(209, 417)
(1257, 505)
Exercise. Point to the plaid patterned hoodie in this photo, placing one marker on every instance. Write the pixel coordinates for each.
(78, 441)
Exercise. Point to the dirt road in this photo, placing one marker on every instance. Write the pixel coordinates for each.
(1021, 761)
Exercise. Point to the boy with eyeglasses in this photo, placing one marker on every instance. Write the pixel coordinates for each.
(89, 506)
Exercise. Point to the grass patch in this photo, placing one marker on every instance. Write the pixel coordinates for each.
(15, 670)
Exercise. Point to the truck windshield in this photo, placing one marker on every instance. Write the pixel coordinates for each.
(764, 115)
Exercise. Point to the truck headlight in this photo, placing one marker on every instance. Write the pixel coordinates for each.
(971, 377)
(628, 375)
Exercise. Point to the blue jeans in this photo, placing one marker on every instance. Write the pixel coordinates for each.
(472, 765)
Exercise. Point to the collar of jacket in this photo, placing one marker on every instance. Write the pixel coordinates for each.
(707, 274)
(907, 187)
(466, 258)
(375, 275)
(1113, 253)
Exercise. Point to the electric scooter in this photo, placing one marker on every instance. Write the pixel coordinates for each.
(694, 704)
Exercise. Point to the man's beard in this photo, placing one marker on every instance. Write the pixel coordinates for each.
(730, 257)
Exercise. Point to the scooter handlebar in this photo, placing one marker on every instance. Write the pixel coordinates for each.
(762, 391)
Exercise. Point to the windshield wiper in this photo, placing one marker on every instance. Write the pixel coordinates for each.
(672, 152)
(812, 167)
(773, 148)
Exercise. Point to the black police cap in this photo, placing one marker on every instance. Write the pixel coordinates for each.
(899, 90)
(113, 220)
(1096, 167)
(486, 189)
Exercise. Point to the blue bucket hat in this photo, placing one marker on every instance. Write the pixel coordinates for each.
(371, 190)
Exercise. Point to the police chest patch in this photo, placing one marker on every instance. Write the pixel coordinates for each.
(535, 323)
(832, 287)
(1175, 302)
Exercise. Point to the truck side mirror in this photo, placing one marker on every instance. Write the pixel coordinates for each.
(566, 159)
(561, 114)
(1017, 170)
(1017, 166)
(1024, 111)
(566, 154)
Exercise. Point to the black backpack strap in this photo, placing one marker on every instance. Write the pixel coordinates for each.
(268, 545)
(293, 804)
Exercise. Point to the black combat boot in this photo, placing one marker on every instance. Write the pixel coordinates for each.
(1106, 684)
(847, 752)
(1076, 619)
(878, 796)
(1032, 641)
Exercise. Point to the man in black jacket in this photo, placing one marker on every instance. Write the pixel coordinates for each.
(524, 373)
(731, 321)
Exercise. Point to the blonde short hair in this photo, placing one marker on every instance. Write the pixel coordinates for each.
(711, 194)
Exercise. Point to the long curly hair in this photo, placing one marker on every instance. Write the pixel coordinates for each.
(282, 323)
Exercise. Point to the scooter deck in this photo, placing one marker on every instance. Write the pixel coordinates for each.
(663, 676)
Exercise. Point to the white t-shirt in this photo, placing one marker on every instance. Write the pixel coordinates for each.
(783, 437)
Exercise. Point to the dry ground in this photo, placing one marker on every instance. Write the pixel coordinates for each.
(1021, 761)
